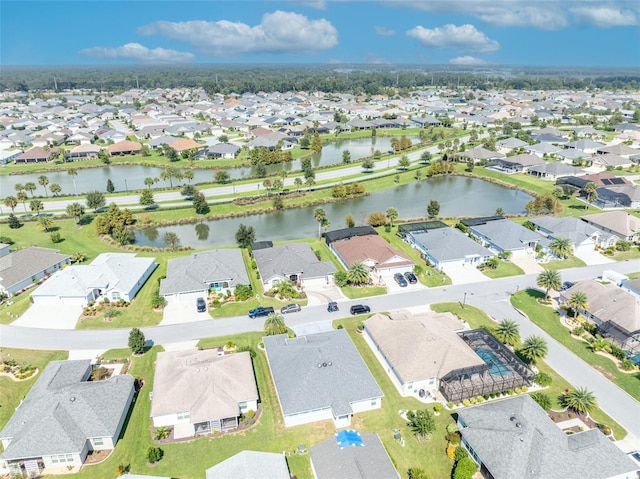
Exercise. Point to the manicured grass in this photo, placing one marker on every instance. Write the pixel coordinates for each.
(548, 319)
(634, 275)
(12, 392)
(570, 262)
(477, 318)
(353, 292)
(504, 269)
(633, 253)
(15, 307)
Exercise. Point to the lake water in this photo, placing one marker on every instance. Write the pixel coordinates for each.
(457, 195)
(131, 177)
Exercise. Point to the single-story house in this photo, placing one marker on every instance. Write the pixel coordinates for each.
(553, 171)
(614, 310)
(124, 147)
(448, 247)
(223, 150)
(7, 156)
(517, 164)
(583, 236)
(320, 376)
(478, 154)
(610, 161)
(84, 151)
(200, 391)
(113, 276)
(620, 223)
(619, 149)
(515, 437)
(627, 196)
(501, 235)
(64, 417)
(18, 270)
(508, 144)
(158, 142)
(542, 149)
(352, 454)
(37, 154)
(416, 350)
(293, 261)
(599, 179)
(374, 252)
(588, 146)
(251, 465)
(185, 144)
(193, 276)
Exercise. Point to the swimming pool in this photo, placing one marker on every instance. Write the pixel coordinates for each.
(497, 368)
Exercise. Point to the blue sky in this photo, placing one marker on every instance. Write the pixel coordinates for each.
(428, 32)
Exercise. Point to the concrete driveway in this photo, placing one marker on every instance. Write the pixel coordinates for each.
(317, 295)
(394, 287)
(463, 274)
(528, 264)
(178, 312)
(50, 316)
(591, 257)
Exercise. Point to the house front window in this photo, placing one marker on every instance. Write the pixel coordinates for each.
(98, 441)
(243, 406)
(115, 296)
(184, 415)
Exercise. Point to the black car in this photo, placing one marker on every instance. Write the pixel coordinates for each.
(400, 280)
(333, 306)
(290, 308)
(201, 304)
(412, 278)
(566, 285)
(360, 309)
(260, 311)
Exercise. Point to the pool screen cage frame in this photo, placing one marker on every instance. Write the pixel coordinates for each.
(473, 381)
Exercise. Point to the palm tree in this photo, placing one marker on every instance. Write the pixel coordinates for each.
(44, 181)
(320, 215)
(508, 332)
(549, 279)
(188, 174)
(148, 182)
(577, 301)
(55, 188)
(580, 400)
(72, 172)
(30, 187)
(37, 206)
(561, 247)
(591, 192)
(18, 187)
(534, 348)
(46, 223)
(543, 400)
(11, 202)
(274, 324)
(358, 273)
(22, 197)
(285, 288)
(392, 214)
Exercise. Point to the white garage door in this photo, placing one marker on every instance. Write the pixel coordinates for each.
(186, 297)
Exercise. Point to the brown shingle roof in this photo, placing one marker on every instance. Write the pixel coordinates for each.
(35, 153)
(370, 248)
(185, 144)
(124, 146)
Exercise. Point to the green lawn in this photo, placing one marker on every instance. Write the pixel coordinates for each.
(570, 262)
(548, 319)
(504, 269)
(634, 275)
(12, 392)
(15, 307)
(477, 318)
(633, 253)
(353, 292)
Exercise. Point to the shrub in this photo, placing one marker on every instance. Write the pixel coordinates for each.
(451, 451)
(55, 237)
(154, 454)
(243, 292)
(251, 413)
(465, 469)
(229, 345)
(158, 301)
(466, 402)
(417, 472)
(6, 240)
(437, 407)
(518, 391)
(162, 433)
(452, 426)
(450, 405)
(377, 219)
(340, 278)
(460, 454)
(453, 437)
(626, 365)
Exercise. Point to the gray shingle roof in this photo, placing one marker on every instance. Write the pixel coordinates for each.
(567, 227)
(62, 411)
(369, 461)
(27, 262)
(507, 235)
(303, 381)
(448, 244)
(291, 258)
(251, 465)
(531, 446)
(195, 272)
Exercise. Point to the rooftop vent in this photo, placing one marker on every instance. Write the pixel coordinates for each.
(512, 418)
(518, 424)
(72, 398)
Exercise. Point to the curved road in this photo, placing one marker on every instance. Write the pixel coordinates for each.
(491, 296)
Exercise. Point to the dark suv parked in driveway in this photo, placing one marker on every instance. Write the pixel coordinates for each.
(260, 311)
(201, 304)
(360, 309)
(400, 279)
(412, 278)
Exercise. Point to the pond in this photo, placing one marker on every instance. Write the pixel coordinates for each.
(457, 195)
(131, 177)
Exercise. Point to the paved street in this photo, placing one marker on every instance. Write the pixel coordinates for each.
(492, 296)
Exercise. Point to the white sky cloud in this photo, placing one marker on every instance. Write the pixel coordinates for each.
(464, 37)
(467, 60)
(139, 53)
(606, 16)
(384, 32)
(279, 32)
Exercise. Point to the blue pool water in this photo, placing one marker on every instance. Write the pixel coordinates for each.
(497, 367)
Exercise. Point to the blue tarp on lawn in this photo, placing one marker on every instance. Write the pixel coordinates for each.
(349, 438)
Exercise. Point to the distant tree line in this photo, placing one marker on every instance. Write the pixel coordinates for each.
(357, 79)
